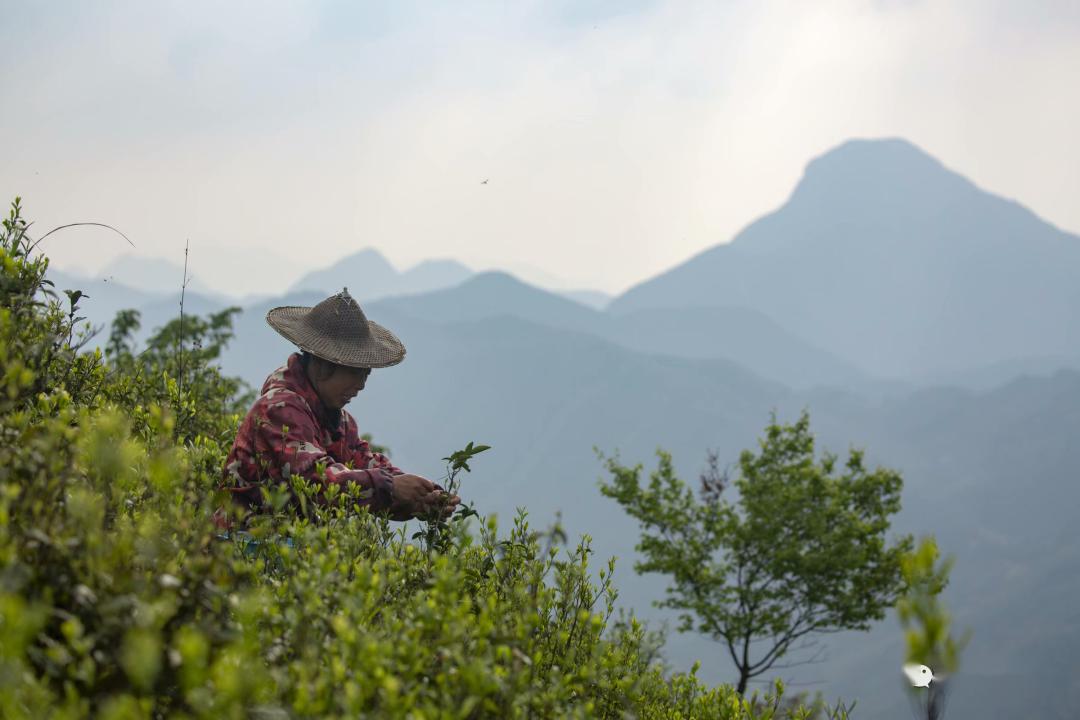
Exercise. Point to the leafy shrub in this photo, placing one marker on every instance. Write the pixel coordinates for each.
(120, 599)
(802, 549)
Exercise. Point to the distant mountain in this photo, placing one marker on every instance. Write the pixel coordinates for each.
(432, 275)
(745, 337)
(889, 260)
(492, 294)
(988, 377)
(368, 275)
(589, 298)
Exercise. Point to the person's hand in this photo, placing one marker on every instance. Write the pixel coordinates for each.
(409, 492)
(410, 489)
(416, 496)
(439, 503)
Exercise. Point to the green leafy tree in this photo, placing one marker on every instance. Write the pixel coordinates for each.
(802, 550)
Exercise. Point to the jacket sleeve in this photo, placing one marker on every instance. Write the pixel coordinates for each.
(362, 455)
(288, 443)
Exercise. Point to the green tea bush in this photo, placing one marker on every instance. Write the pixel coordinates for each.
(120, 598)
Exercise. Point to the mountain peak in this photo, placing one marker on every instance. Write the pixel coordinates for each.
(867, 170)
(428, 275)
(366, 268)
(497, 278)
(370, 276)
(442, 264)
(878, 152)
(368, 257)
(899, 265)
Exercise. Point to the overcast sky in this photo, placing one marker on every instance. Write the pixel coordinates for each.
(617, 138)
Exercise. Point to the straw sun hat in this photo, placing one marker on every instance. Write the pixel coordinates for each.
(337, 330)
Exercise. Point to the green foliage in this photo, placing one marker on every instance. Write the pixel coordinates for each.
(203, 402)
(40, 352)
(927, 625)
(437, 532)
(802, 551)
(119, 598)
(924, 618)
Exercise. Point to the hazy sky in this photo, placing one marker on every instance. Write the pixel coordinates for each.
(617, 138)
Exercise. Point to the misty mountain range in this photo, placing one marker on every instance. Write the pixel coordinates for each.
(153, 285)
(914, 315)
(372, 276)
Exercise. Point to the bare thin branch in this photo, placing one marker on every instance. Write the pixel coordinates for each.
(70, 225)
(180, 340)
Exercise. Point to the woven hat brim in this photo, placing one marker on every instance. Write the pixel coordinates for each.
(382, 349)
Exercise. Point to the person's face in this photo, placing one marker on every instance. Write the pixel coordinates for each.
(341, 385)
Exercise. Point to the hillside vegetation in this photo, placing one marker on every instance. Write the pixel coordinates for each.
(120, 599)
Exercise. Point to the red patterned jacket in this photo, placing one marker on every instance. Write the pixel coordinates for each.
(288, 431)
